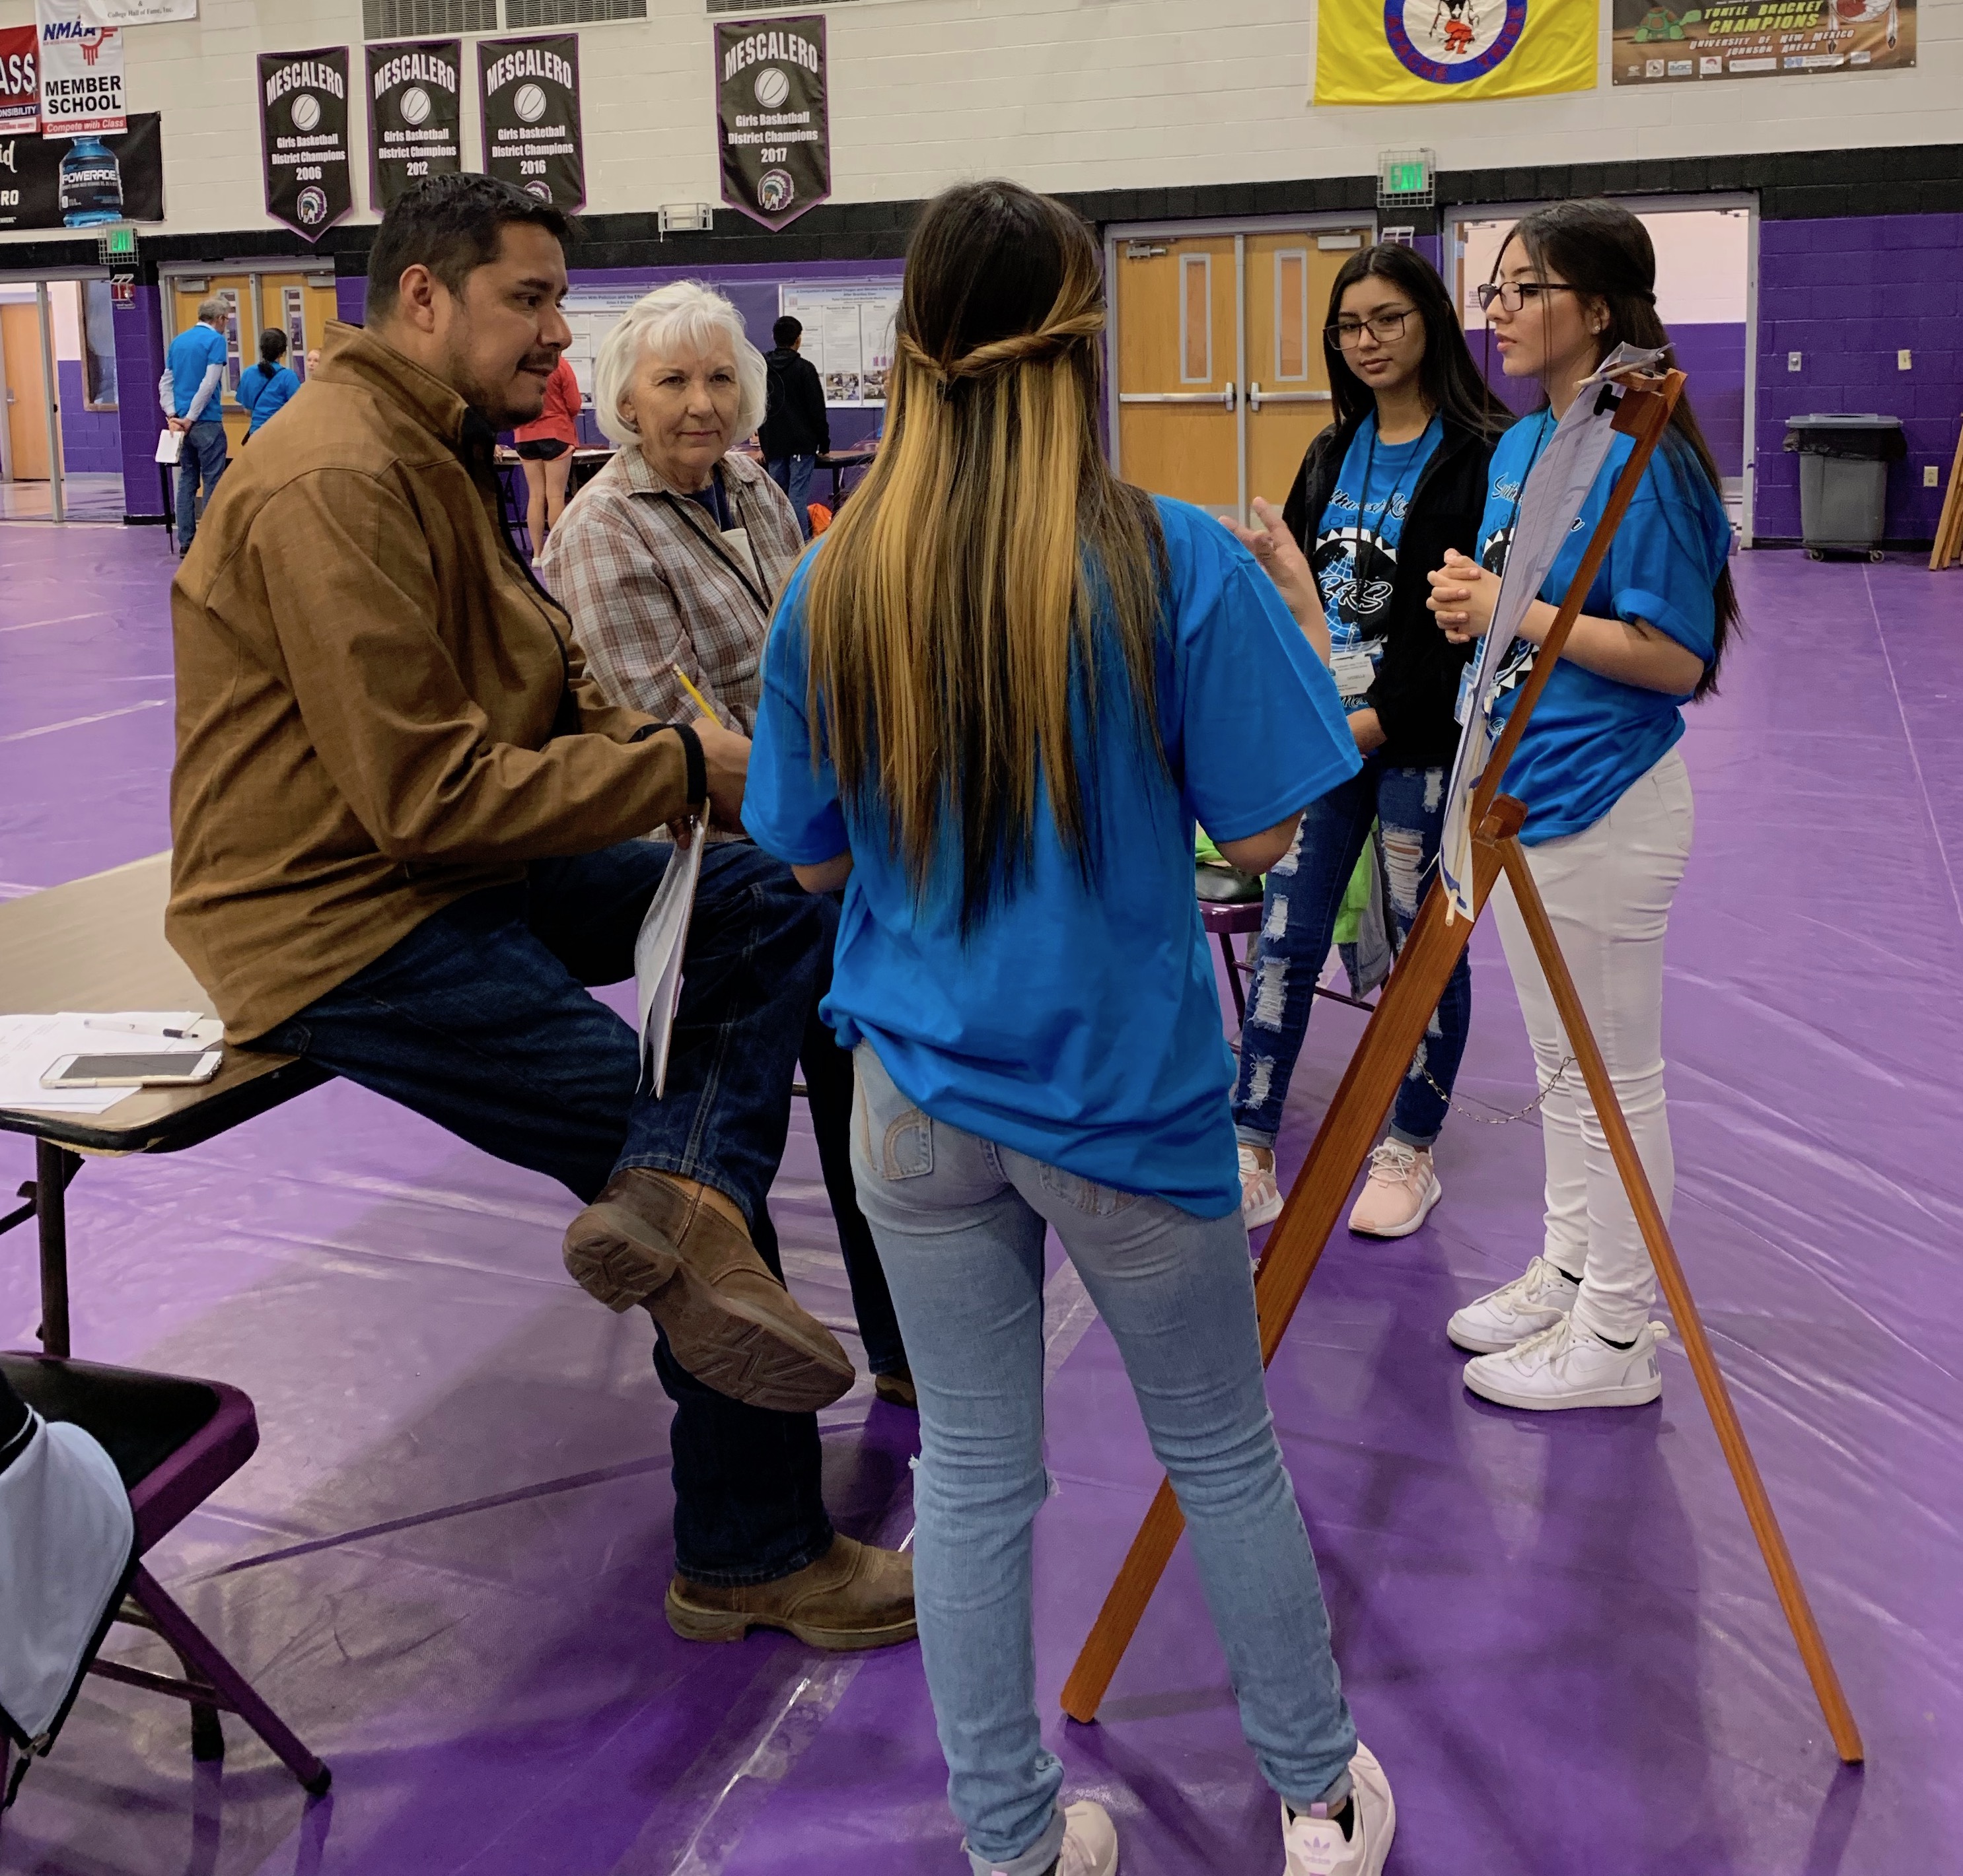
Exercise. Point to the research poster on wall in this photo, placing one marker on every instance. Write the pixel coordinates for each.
(57, 182)
(774, 128)
(1759, 39)
(81, 70)
(528, 91)
(303, 137)
(415, 116)
(848, 336)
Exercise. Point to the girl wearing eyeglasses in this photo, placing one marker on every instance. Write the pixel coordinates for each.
(1397, 480)
(1609, 805)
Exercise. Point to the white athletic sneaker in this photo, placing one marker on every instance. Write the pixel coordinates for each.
(1504, 1317)
(1260, 1197)
(1090, 1841)
(1399, 1194)
(1566, 1366)
(1316, 1846)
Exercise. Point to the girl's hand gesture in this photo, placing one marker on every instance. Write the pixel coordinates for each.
(1271, 543)
(1463, 595)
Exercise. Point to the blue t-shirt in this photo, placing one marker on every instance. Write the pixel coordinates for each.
(1356, 552)
(192, 354)
(1591, 736)
(1081, 1023)
(265, 397)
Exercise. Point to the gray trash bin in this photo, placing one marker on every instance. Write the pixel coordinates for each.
(1843, 478)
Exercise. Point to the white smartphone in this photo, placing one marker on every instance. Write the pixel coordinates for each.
(179, 1068)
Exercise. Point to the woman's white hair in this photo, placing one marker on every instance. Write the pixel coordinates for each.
(674, 321)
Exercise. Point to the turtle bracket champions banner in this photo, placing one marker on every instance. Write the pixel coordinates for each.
(415, 116)
(529, 89)
(303, 133)
(1758, 39)
(774, 128)
(1429, 52)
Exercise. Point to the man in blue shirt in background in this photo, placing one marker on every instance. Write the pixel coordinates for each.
(192, 391)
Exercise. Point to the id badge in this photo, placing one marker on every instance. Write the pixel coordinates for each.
(1464, 702)
(1353, 671)
(737, 541)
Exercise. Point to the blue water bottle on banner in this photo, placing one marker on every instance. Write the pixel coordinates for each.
(91, 184)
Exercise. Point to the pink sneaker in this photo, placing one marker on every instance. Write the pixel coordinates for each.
(1260, 1197)
(1400, 1193)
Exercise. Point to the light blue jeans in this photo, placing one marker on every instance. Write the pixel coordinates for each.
(959, 1222)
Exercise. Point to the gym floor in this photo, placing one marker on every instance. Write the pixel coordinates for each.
(445, 1565)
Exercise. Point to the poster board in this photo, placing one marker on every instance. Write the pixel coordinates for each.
(848, 336)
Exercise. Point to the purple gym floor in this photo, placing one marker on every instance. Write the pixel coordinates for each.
(445, 1565)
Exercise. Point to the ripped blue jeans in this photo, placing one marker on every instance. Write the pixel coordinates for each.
(1304, 893)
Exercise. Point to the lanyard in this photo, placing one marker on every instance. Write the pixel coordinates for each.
(1419, 458)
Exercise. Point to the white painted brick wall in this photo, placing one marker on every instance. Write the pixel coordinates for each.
(1084, 95)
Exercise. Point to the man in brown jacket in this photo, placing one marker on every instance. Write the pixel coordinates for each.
(405, 829)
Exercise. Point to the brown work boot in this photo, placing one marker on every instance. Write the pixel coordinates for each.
(854, 1596)
(664, 1243)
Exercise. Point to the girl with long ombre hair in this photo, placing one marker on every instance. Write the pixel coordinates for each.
(996, 697)
(1608, 818)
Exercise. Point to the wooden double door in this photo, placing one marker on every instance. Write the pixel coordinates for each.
(1221, 381)
(300, 304)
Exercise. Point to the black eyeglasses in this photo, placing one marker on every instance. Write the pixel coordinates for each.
(1385, 327)
(1514, 294)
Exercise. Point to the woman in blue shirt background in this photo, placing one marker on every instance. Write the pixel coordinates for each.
(1608, 799)
(265, 388)
(996, 695)
(1397, 479)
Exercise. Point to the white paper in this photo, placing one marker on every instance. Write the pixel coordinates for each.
(1556, 488)
(145, 12)
(170, 446)
(848, 336)
(29, 1046)
(657, 958)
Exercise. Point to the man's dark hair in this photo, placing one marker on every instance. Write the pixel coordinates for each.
(787, 331)
(452, 225)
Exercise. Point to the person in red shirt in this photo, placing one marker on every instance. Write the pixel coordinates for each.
(545, 447)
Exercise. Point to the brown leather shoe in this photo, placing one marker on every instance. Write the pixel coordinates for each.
(854, 1596)
(650, 1239)
(897, 1389)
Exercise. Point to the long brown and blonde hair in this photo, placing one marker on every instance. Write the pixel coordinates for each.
(965, 594)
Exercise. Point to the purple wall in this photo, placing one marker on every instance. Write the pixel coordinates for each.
(91, 442)
(1847, 295)
(139, 364)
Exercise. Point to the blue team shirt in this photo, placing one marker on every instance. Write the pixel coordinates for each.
(1591, 736)
(265, 397)
(1356, 552)
(1081, 1023)
(192, 354)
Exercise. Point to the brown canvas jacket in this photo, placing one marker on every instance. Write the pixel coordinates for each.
(368, 684)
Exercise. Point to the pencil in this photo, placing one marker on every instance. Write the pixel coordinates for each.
(701, 701)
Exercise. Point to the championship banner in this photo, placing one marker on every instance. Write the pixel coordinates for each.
(1759, 39)
(529, 92)
(1429, 52)
(415, 116)
(57, 182)
(81, 70)
(303, 135)
(773, 131)
(20, 82)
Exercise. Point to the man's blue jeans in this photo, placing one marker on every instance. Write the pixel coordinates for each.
(200, 459)
(479, 1021)
(793, 475)
(1304, 893)
(959, 1222)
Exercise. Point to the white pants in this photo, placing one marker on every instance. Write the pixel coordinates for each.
(1608, 892)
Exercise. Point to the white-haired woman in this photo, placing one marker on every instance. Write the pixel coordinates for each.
(670, 561)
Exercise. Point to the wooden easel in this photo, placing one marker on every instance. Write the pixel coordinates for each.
(1949, 529)
(1349, 1131)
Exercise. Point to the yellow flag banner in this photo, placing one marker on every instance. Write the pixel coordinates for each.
(1432, 52)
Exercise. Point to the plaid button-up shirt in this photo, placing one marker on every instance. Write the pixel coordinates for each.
(651, 585)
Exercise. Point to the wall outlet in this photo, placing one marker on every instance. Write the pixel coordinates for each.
(1904, 360)
(1931, 476)
(1792, 361)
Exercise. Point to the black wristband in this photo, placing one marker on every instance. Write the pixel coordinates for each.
(698, 769)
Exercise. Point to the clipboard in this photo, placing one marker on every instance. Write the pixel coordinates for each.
(170, 446)
(658, 956)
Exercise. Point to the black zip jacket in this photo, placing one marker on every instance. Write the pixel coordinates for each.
(1418, 680)
(796, 422)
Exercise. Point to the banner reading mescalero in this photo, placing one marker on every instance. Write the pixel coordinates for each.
(415, 116)
(1758, 39)
(303, 133)
(1429, 52)
(528, 91)
(46, 182)
(773, 129)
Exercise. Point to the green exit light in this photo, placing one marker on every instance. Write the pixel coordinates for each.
(1405, 179)
(120, 241)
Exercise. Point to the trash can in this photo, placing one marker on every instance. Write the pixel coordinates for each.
(1843, 479)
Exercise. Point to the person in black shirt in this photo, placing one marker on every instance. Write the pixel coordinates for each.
(796, 429)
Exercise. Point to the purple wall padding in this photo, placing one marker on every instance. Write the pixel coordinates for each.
(139, 364)
(91, 442)
(1847, 295)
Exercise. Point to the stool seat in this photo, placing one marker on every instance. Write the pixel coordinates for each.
(1240, 917)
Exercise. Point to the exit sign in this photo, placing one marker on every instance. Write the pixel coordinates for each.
(1404, 178)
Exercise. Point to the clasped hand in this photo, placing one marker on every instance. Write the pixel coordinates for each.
(1463, 595)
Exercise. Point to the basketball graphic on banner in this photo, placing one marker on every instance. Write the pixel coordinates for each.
(772, 87)
(1449, 41)
(306, 112)
(528, 103)
(415, 106)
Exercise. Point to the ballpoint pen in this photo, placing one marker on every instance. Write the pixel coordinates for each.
(136, 1029)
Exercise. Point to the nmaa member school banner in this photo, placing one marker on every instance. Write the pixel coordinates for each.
(774, 128)
(81, 70)
(303, 132)
(1436, 52)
